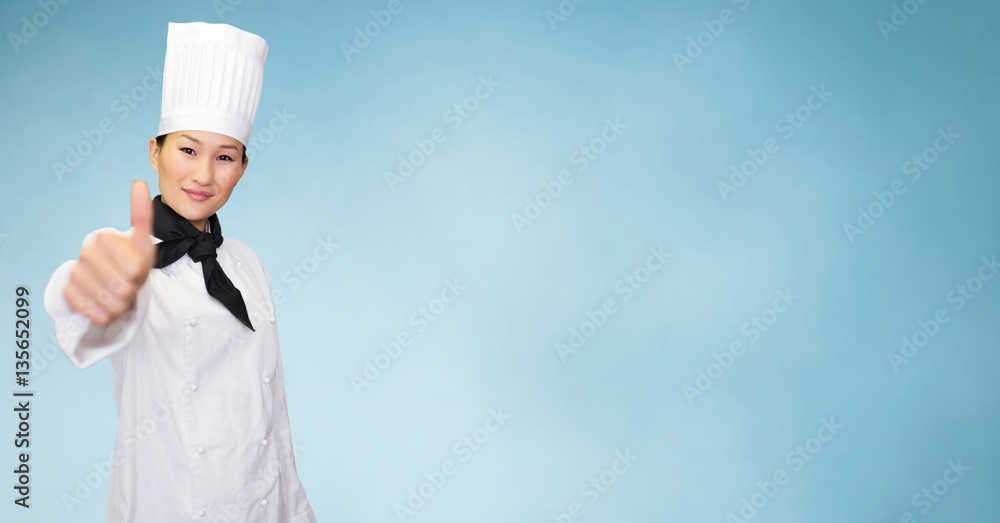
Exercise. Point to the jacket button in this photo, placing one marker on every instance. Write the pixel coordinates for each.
(263, 442)
(194, 386)
(263, 502)
(267, 379)
(270, 318)
(193, 322)
(239, 264)
(200, 450)
(201, 513)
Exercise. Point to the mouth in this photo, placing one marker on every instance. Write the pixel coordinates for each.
(198, 196)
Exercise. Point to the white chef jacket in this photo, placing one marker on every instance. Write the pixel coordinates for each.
(203, 431)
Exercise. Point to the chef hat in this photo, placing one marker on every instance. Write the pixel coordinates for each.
(212, 78)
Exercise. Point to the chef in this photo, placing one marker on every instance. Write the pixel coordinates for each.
(185, 315)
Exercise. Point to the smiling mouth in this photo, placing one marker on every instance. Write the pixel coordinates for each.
(198, 196)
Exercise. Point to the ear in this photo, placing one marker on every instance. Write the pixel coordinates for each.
(246, 163)
(154, 155)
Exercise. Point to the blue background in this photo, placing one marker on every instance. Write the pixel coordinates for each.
(697, 456)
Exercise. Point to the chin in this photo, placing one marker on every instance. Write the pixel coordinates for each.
(193, 216)
(189, 210)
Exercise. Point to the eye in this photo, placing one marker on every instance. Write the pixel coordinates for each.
(187, 150)
(225, 158)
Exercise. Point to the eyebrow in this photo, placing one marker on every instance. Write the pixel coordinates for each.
(197, 141)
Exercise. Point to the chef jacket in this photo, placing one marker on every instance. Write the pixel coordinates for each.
(203, 431)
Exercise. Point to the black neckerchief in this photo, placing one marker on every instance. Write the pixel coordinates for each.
(178, 237)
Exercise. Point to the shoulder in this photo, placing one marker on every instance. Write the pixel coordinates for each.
(241, 251)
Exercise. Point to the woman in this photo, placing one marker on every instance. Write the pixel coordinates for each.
(184, 315)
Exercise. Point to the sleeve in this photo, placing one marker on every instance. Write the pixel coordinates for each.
(83, 342)
(296, 504)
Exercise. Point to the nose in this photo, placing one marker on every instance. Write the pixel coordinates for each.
(202, 173)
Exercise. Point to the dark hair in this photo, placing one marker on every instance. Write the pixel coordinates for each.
(161, 138)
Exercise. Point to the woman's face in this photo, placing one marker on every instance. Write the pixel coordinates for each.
(198, 171)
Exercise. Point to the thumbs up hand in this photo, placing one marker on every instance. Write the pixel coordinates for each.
(112, 268)
(142, 225)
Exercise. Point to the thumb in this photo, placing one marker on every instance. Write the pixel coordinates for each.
(142, 219)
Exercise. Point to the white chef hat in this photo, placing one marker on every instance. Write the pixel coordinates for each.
(212, 78)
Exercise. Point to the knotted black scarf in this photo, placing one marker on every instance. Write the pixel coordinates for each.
(178, 237)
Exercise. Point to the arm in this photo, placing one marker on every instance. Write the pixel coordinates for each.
(297, 508)
(99, 300)
(297, 505)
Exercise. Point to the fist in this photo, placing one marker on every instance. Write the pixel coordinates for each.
(112, 268)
